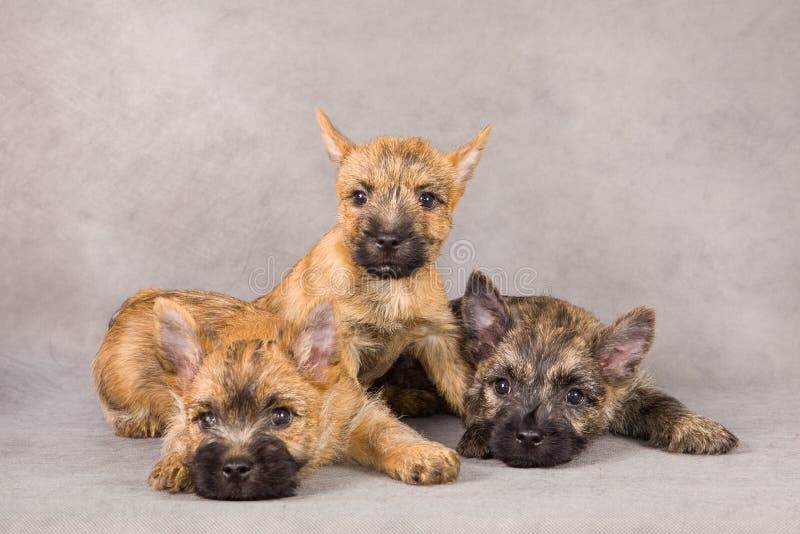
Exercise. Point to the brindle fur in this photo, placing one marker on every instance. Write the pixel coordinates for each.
(546, 346)
(171, 356)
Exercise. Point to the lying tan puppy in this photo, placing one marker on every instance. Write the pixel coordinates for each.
(248, 402)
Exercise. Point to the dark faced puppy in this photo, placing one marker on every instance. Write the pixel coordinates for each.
(550, 377)
(396, 201)
(242, 454)
(249, 413)
(245, 418)
(396, 198)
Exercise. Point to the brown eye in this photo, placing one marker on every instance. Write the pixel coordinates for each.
(502, 387)
(359, 198)
(206, 420)
(280, 417)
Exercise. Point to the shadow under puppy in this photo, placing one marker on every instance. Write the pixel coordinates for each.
(249, 403)
(549, 377)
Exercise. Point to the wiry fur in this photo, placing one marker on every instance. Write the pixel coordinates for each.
(544, 347)
(249, 364)
(389, 299)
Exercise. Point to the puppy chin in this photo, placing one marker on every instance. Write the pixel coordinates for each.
(388, 271)
(273, 474)
(409, 258)
(525, 462)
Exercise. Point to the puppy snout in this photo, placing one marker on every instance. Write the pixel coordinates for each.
(388, 241)
(529, 437)
(237, 469)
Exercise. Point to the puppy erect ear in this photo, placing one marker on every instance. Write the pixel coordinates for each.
(180, 339)
(621, 346)
(485, 315)
(337, 144)
(317, 340)
(467, 157)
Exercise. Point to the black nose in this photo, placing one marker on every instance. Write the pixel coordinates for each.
(388, 241)
(237, 469)
(529, 437)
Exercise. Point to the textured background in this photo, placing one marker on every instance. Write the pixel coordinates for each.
(642, 153)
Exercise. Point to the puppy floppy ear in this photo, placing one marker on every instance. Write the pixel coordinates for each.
(484, 314)
(466, 158)
(179, 339)
(621, 346)
(317, 340)
(336, 144)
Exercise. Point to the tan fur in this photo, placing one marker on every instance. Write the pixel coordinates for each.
(142, 395)
(385, 317)
(380, 317)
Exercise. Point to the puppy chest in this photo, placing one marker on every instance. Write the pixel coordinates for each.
(376, 350)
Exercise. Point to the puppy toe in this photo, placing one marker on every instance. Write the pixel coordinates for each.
(700, 435)
(423, 464)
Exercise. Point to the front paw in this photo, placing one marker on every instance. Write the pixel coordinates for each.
(422, 463)
(171, 474)
(474, 442)
(696, 434)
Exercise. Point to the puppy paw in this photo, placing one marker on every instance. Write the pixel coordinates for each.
(475, 442)
(422, 463)
(171, 474)
(473, 449)
(696, 434)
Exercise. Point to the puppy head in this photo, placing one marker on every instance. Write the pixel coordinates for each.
(397, 197)
(250, 407)
(545, 369)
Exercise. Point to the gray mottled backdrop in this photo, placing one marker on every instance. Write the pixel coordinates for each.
(642, 153)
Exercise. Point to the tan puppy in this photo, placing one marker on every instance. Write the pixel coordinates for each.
(396, 202)
(248, 401)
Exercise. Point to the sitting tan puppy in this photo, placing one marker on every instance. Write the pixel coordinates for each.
(396, 202)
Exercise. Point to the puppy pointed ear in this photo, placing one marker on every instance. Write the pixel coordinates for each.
(179, 338)
(621, 346)
(467, 157)
(336, 144)
(317, 340)
(485, 315)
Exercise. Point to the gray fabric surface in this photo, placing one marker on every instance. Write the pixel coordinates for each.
(64, 471)
(643, 153)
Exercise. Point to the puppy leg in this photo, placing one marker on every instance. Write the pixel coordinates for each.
(380, 440)
(411, 402)
(663, 421)
(128, 424)
(439, 356)
(408, 391)
(171, 472)
(135, 401)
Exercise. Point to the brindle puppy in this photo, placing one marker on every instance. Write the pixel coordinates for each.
(549, 377)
